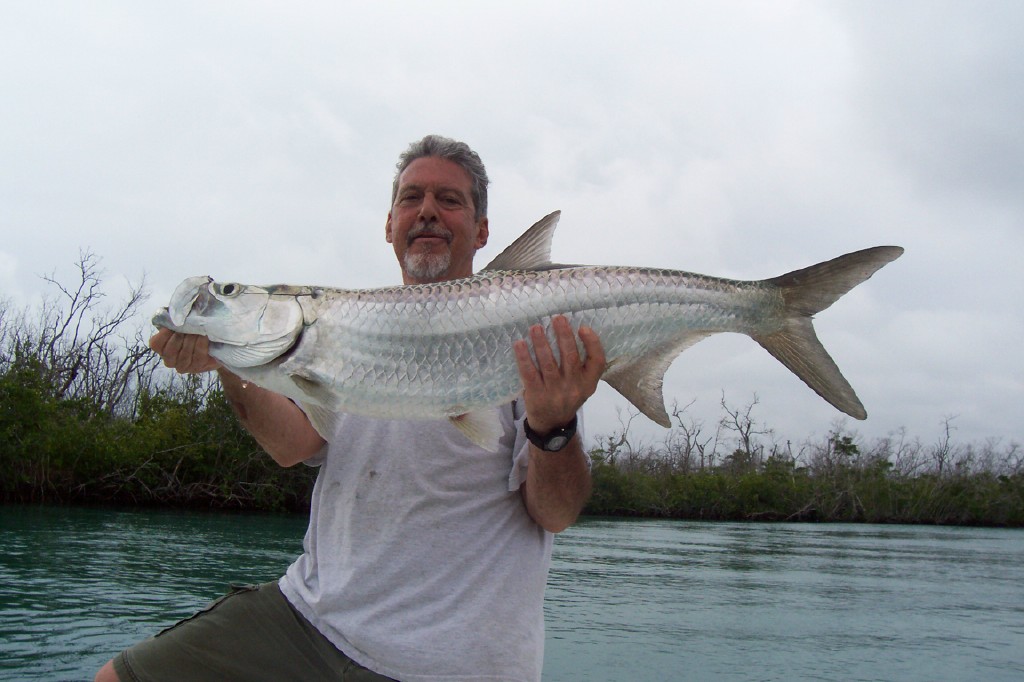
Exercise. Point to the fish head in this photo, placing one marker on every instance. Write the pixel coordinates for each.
(247, 325)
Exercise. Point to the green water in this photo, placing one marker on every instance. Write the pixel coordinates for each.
(627, 600)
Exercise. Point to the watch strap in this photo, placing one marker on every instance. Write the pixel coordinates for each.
(553, 441)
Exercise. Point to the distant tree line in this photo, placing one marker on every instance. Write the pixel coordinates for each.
(738, 470)
(87, 415)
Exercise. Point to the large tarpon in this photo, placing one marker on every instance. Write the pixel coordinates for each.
(445, 350)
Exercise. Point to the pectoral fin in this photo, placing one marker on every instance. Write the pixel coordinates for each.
(322, 419)
(317, 392)
(317, 408)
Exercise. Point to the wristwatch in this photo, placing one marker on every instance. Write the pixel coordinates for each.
(553, 441)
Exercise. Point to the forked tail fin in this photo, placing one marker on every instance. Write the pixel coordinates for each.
(807, 292)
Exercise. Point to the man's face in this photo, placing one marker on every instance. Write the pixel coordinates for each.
(432, 225)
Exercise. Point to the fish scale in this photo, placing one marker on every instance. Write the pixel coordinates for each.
(445, 350)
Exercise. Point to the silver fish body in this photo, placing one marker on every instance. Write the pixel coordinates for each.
(445, 350)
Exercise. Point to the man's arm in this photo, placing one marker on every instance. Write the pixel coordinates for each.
(557, 483)
(277, 424)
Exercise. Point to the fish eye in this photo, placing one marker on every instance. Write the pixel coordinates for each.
(229, 290)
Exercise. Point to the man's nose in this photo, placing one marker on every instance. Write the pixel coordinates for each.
(428, 208)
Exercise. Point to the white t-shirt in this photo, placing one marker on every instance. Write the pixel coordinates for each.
(421, 561)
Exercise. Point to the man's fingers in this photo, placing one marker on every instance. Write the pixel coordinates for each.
(568, 360)
(596, 362)
(566, 339)
(542, 350)
(527, 370)
(172, 350)
(198, 358)
(544, 367)
(193, 355)
(158, 341)
(185, 353)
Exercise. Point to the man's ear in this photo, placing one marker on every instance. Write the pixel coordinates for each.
(387, 229)
(483, 231)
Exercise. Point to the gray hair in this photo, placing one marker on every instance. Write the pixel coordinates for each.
(450, 150)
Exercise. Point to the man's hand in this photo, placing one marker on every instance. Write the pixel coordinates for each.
(184, 353)
(554, 391)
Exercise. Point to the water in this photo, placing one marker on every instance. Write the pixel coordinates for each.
(79, 585)
(627, 600)
(656, 600)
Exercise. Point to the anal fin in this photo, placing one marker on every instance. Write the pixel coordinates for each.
(640, 379)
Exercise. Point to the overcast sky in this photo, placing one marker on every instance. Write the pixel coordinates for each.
(256, 142)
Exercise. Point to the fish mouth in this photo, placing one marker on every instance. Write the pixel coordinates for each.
(162, 318)
(182, 302)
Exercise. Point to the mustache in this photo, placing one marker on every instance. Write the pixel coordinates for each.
(429, 230)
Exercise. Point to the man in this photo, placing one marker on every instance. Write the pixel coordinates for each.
(426, 557)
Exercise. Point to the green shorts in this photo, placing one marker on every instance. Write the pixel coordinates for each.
(253, 633)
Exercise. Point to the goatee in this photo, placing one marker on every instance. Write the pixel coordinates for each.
(427, 266)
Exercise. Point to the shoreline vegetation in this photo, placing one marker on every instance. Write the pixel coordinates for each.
(88, 416)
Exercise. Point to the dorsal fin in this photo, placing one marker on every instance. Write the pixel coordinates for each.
(532, 251)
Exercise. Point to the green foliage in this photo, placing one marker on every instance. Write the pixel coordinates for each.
(182, 448)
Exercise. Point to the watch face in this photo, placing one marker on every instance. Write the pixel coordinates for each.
(556, 443)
